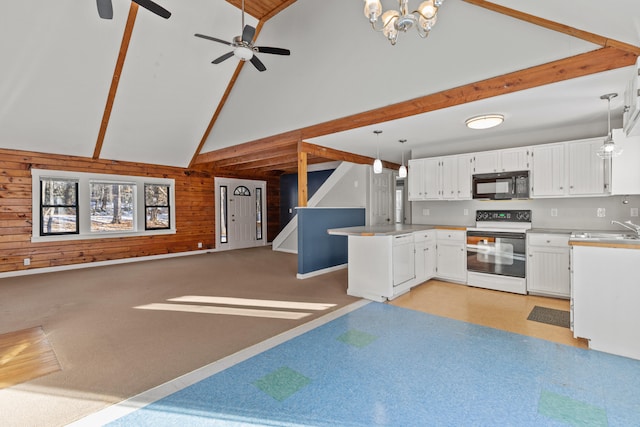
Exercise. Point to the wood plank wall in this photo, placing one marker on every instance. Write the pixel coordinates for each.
(194, 205)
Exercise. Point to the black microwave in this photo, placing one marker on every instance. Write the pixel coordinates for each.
(501, 185)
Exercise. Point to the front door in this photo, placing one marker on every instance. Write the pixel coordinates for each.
(240, 206)
(242, 217)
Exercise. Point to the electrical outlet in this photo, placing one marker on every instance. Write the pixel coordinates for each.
(27, 261)
(199, 245)
(634, 211)
(466, 212)
(355, 184)
(426, 212)
(601, 213)
(554, 212)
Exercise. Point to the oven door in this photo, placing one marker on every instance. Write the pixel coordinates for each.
(495, 252)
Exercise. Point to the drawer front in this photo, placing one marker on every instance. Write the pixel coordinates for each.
(548, 239)
(452, 235)
(424, 236)
(402, 239)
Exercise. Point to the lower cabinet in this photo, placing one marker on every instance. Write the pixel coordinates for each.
(425, 255)
(548, 266)
(452, 255)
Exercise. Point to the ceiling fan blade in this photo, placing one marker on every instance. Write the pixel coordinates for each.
(247, 33)
(273, 50)
(213, 39)
(105, 9)
(222, 58)
(154, 7)
(257, 63)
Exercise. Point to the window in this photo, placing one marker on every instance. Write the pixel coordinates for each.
(156, 206)
(112, 206)
(76, 205)
(58, 206)
(241, 191)
(258, 213)
(223, 214)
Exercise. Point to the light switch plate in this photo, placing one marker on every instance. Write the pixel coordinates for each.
(601, 212)
(634, 211)
(554, 212)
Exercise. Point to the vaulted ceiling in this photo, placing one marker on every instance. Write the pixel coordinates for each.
(141, 88)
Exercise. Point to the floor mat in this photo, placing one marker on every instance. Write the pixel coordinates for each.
(550, 316)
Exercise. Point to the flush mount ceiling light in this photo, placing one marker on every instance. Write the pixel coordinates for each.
(485, 121)
(608, 149)
(393, 21)
(377, 163)
(402, 171)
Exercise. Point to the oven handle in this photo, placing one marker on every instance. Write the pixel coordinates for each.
(493, 234)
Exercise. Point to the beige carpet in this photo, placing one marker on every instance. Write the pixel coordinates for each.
(109, 350)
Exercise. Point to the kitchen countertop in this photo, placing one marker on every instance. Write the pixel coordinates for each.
(551, 230)
(388, 230)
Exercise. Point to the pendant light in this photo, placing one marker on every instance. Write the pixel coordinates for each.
(377, 164)
(402, 172)
(608, 149)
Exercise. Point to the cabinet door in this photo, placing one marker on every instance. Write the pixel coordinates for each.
(451, 261)
(486, 162)
(586, 169)
(548, 271)
(432, 173)
(449, 177)
(514, 159)
(430, 260)
(548, 175)
(625, 173)
(416, 179)
(465, 170)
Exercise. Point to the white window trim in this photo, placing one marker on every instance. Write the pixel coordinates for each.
(84, 213)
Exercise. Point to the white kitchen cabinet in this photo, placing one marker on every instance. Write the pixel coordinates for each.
(625, 173)
(464, 174)
(631, 116)
(604, 297)
(425, 255)
(548, 268)
(451, 255)
(486, 162)
(432, 178)
(586, 169)
(449, 177)
(416, 179)
(548, 177)
(514, 159)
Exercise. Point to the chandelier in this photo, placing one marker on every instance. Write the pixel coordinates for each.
(393, 21)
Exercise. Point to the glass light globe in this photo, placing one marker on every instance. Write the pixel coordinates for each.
(402, 172)
(377, 166)
(372, 9)
(427, 9)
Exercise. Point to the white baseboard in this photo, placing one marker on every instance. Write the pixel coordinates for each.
(319, 272)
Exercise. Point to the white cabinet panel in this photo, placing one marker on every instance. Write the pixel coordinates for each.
(432, 174)
(586, 169)
(465, 171)
(425, 255)
(486, 162)
(625, 173)
(516, 159)
(449, 177)
(548, 176)
(416, 179)
(548, 270)
(452, 255)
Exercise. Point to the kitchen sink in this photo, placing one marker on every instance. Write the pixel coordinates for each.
(599, 235)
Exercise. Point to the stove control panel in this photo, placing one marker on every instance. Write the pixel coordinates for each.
(504, 216)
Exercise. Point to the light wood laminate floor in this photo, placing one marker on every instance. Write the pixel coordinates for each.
(495, 309)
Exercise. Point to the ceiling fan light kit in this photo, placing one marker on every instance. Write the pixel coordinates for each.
(243, 47)
(485, 121)
(609, 149)
(392, 22)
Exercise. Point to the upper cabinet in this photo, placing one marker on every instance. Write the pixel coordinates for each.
(509, 160)
(586, 169)
(625, 173)
(631, 116)
(548, 177)
(416, 179)
(440, 178)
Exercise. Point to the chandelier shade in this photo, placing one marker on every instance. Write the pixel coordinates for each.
(392, 22)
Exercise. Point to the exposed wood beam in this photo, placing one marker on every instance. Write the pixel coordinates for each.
(333, 154)
(115, 80)
(555, 26)
(303, 191)
(264, 144)
(258, 155)
(276, 10)
(585, 64)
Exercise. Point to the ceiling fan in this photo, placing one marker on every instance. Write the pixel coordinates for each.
(243, 47)
(105, 8)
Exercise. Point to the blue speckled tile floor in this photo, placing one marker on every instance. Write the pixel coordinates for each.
(385, 365)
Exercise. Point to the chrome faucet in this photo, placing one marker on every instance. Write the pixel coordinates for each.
(629, 225)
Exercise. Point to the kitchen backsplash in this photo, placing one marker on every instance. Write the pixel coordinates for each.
(565, 213)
